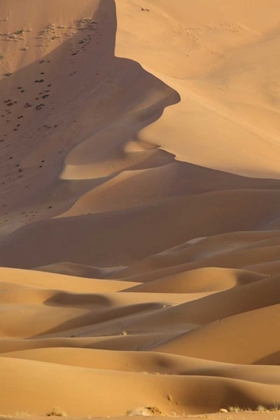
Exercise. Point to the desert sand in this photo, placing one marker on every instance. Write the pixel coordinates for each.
(139, 212)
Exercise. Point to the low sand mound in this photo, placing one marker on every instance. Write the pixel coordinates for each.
(271, 268)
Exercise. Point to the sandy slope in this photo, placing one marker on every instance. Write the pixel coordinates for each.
(139, 212)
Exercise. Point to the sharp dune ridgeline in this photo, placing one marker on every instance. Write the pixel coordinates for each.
(140, 208)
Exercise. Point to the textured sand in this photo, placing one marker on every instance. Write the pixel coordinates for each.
(139, 209)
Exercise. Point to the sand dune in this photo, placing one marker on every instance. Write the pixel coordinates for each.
(238, 259)
(217, 246)
(71, 240)
(249, 337)
(139, 210)
(134, 388)
(195, 281)
(145, 362)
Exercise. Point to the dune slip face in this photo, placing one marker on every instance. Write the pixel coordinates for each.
(140, 209)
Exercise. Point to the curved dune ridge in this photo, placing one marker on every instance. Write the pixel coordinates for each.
(139, 212)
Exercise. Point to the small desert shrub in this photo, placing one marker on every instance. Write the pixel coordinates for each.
(20, 32)
(145, 411)
(261, 408)
(234, 409)
(56, 411)
(274, 407)
(8, 74)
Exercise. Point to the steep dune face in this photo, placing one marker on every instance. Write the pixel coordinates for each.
(139, 213)
(77, 110)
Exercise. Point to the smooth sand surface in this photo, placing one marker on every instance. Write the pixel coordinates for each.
(248, 415)
(139, 209)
